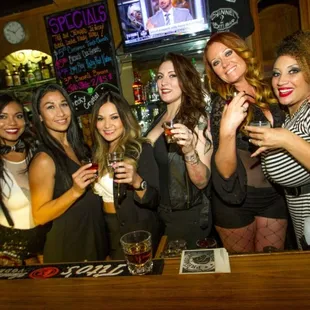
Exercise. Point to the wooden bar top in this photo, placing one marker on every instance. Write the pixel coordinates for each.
(257, 281)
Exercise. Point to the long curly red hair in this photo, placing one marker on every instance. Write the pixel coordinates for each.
(254, 75)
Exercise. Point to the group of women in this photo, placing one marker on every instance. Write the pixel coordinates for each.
(72, 211)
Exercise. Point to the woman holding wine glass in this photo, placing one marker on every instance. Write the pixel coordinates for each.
(127, 174)
(60, 184)
(21, 240)
(249, 212)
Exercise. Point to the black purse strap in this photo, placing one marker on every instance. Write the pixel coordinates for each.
(6, 214)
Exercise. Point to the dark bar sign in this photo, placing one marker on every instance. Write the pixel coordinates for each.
(82, 48)
(74, 270)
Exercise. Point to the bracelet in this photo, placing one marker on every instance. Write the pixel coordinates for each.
(192, 159)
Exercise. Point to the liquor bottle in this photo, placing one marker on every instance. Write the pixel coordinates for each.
(22, 74)
(37, 72)
(8, 78)
(137, 88)
(52, 70)
(16, 76)
(44, 69)
(153, 88)
(30, 75)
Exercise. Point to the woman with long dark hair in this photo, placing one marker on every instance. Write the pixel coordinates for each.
(131, 204)
(60, 185)
(184, 166)
(20, 238)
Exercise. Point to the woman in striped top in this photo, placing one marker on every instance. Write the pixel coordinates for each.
(287, 160)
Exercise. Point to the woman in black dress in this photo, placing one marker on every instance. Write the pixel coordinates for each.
(184, 166)
(60, 185)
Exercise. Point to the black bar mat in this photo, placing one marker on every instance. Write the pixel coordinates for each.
(74, 270)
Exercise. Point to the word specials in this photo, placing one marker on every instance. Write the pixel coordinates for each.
(81, 46)
(77, 270)
(78, 19)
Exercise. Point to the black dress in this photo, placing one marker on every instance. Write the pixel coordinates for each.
(79, 234)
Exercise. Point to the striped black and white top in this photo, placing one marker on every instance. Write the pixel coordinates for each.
(282, 168)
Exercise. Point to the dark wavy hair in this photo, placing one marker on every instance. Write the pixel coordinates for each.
(193, 105)
(130, 141)
(27, 136)
(297, 45)
(254, 75)
(74, 134)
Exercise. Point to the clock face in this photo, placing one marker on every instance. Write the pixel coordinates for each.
(14, 32)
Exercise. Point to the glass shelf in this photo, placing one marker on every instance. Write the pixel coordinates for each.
(28, 87)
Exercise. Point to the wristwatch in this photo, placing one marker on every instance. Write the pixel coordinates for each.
(143, 186)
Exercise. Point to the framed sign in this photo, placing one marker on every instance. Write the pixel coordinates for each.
(82, 47)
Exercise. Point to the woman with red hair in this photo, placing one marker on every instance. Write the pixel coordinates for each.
(249, 212)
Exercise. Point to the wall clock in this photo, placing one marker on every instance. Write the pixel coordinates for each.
(14, 32)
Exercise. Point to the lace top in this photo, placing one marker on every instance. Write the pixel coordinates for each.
(104, 188)
(253, 174)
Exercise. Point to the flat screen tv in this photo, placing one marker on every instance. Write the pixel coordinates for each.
(145, 23)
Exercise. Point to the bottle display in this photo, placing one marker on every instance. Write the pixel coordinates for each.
(8, 78)
(52, 70)
(45, 72)
(153, 88)
(137, 88)
(37, 72)
(22, 74)
(30, 75)
(16, 76)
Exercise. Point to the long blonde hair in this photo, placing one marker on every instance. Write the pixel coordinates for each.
(130, 141)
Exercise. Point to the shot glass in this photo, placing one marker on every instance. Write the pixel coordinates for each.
(206, 243)
(94, 166)
(114, 157)
(168, 125)
(137, 247)
(260, 124)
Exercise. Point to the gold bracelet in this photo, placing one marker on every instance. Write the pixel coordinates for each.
(192, 159)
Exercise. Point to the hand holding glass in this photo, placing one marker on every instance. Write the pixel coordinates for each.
(168, 125)
(260, 124)
(137, 247)
(114, 157)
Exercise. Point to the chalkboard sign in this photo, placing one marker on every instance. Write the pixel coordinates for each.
(82, 48)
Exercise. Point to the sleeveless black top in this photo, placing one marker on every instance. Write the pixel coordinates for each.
(79, 234)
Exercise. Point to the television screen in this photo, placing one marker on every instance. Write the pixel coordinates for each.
(156, 21)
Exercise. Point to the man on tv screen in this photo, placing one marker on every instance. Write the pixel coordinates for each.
(134, 22)
(168, 15)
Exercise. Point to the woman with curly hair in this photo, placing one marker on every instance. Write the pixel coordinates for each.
(285, 151)
(249, 212)
(21, 239)
(130, 192)
(184, 166)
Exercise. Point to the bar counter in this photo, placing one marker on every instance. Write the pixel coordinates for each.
(257, 281)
